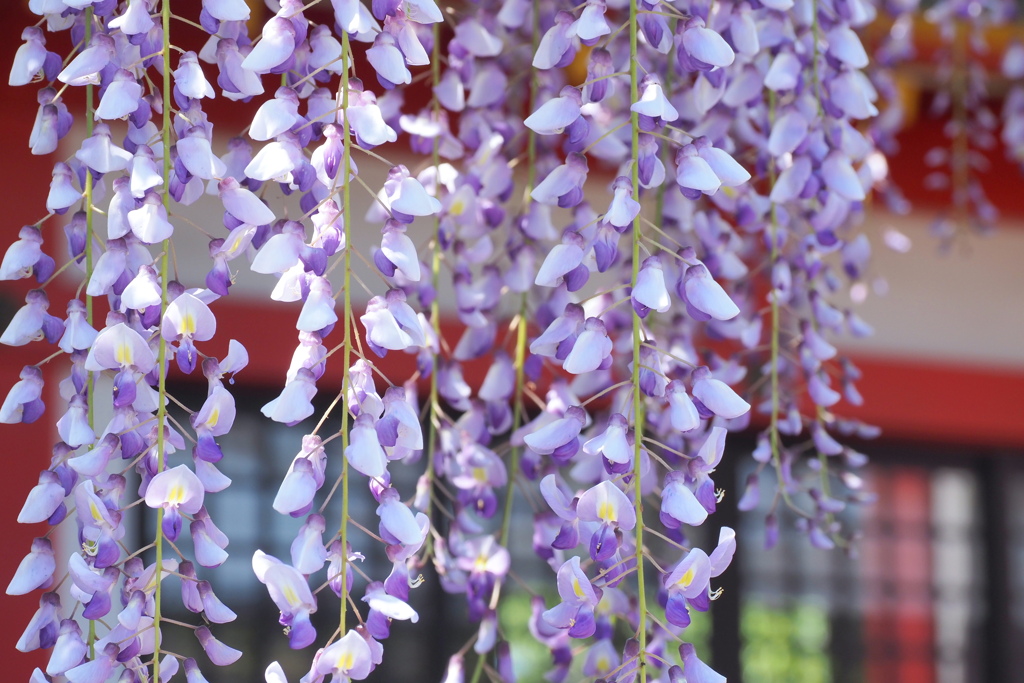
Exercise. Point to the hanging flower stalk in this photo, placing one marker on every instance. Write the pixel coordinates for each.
(126, 159)
(720, 138)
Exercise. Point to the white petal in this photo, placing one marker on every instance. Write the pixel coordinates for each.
(728, 170)
(695, 173)
(708, 46)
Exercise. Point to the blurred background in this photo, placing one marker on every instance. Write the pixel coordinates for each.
(935, 589)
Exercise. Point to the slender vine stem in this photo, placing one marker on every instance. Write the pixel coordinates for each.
(638, 402)
(89, 265)
(774, 331)
(346, 169)
(161, 415)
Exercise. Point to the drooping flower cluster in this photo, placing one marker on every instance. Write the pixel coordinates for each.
(643, 213)
(118, 445)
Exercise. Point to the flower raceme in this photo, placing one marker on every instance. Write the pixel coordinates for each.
(605, 395)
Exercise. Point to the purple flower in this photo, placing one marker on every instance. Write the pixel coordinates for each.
(365, 453)
(476, 472)
(679, 505)
(391, 324)
(555, 49)
(70, 649)
(555, 115)
(36, 569)
(24, 401)
(295, 402)
(365, 120)
(651, 292)
(592, 25)
(85, 68)
(683, 413)
(705, 298)
(562, 260)
(42, 629)
(290, 592)
(347, 658)
(716, 396)
(308, 553)
(559, 438)
(485, 561)
(275, 50)
(95, 670)
(601, 659)
(177, 490)
(399, 428)
(653, 107)
(591, 350)
(579, 599)
(564, 185)
(384, 607)
(694, 670)
(187, 319)
(219, 653)
(613, 445)
(609, 507)
(388, 62)
(79, 335)
(399, 526)
(243, 204)
(43, 500)
(25, 257)
(599, 70)
(31, 322)
(701, 48)
(305, 476)
(562, 332)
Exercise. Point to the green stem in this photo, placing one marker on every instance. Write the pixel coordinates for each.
(346, 166)
(816, 57)
(89, 264)
(638, 403)
(161, 415)
(775, 330)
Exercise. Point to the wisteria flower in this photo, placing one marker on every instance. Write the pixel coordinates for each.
(609, 507)
(579, 600)
(348, 658)
(290, 592)
(564, 185)
(177, 491)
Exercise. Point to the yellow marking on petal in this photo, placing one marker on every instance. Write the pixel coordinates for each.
(457, 208)
(481, 563)
(236, 244)
(577, 588)
(214, 417)
(123, 354)
(188, 325)
(176, 495)
(606, 511)
(96, 514)
(345, 661)
(480, 474)
(687, 578)
(291, 596)
(603, 664)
